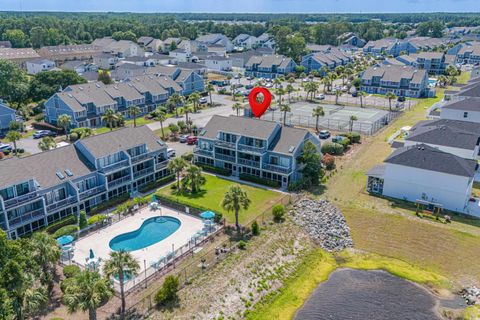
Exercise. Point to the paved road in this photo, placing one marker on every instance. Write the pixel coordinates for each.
(180, 148)
(30, 145)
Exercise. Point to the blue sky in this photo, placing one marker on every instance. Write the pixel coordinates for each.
(329, 6)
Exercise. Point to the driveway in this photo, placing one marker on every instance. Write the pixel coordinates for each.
(29, 144)
(180, 148)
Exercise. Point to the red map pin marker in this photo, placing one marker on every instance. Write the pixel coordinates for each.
(259, 108)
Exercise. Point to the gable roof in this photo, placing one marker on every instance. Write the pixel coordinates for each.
(467, 104)
(288, 140)
(395, 73)
(443, 135)
(249, 127)
(425, 157)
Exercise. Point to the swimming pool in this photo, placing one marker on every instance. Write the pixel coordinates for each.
(151, 231)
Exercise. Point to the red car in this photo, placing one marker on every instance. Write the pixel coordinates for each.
(192, 140)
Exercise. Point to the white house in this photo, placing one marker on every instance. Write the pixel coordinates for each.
(245, 41)
(462, 108)
(39, 65)
(181, 55)
(218, 63)
(422, 173)
(216, 39)
(460, 138)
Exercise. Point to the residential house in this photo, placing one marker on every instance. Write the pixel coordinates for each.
(7, 115)
(139, 61)
(167, 43)
(181, 55)
(150, 44)
(248, 146)
(266, 40)
(330, 58)
(162, 59)
(239, 60)
(469, 54)
(389, 46)
(38, 190)
(124, 49)
(79, 66)
(351, 39)
(433, 62)
(269, 66)
(218, 63)
(192, 46)
(106, 61)
(19, 56)
(63, 53)
(39, 65)
(428, 43)
(103, 42)
(217, 49)
(5, 44)
(128, 70)
(423, 174)
(462, 109)
(199, 68)
(403, 81)
(245, 42)
(216, 39)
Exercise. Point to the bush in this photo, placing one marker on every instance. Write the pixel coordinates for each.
(259, 180)
(353, 136)
(295, 186)
(82, 221)
(66, 230)
(71, 271)
(278, 212)
(168, 291)
(73, 136)
(187, 156)
(110, 203)
(332, 148)
(212, 169)
(61, 223)
(242, 245)
(158, 183)
(218, 217)
(345, 143)
(46, 126)
(328, 161)
(20, 150)
(96, 219)
(255, 228)
(66, 283)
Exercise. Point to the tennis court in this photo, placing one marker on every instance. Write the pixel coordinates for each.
(368, 120)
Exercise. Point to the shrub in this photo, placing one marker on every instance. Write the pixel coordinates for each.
(255, 228)
(218, 217)
(242, 245)
(328, 161)
(66, 230)
(71, 271)
(187, 156)
(61, 223)
(110, 203)
(73, 136)
(20, 150)
(46, 126)
(168, 291)
(97, 218)
(332, 148)
(278, 212)
(353, 136)
(2, 155)
(66, 283)
(212, 169)
(259, 180)
(158, 183)
(82, 220)
(295, 186)
(345, 143)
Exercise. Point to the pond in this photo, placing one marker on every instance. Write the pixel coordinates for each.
(373, 295)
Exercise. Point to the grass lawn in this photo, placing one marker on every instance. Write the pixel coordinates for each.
(212, 195)
(463, 77)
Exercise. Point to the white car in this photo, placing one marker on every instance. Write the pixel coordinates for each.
(170, 152)
(268, 85)
(320, 96)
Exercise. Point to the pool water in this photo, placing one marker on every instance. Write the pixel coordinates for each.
(151, 231)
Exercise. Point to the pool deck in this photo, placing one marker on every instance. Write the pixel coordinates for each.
(99, 241)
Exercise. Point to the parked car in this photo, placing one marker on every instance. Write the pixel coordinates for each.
(245, 93)
(268, 85)
(354, 94)
(320, 96)
(250, 78)
(344, 89)
(249, 86)
(338, 139)
(237, 76)
(401, 99)
(43, 133)
(307, 79)
(324, 134)
(5, 147)
(170, 152)
(192, 140)
(183, 138)
(202, 100)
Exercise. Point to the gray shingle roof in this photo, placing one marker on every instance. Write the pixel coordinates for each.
(424, 157)
(121, 140)
(249, 127)
(289, 137)
(395, 73)
(468, 104)
(444, 135)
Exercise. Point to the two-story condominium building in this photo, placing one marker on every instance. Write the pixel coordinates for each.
(462, 108)
(253, 147)
(18, 55)
(330, 58)
(245, 41)
(216, 39)
(469, 54)
(38, 190)
(7, 115)
(427, 174)
(389, 46)
(269, 66)
(432, 62)
(266, 40)
(38, 65)
(403, 81)
(64, 53)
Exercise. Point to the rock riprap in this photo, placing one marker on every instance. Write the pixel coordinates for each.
(324, 223)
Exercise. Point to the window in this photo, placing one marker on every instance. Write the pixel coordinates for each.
(465, 114)
(274, 160)
(22, 188)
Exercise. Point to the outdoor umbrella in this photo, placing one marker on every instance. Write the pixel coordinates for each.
(207, 215)
(64, 240)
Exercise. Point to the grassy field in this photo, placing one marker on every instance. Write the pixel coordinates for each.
(212, 195)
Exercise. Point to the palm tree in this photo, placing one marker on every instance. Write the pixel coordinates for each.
(134, 112)
(186, 110)
(352, 118)
(341, 73)
(87, 293)
(285, 108)
(237, 107)
(442, 81)
(390, 96)
(161, 116)
(64, 121)
(119, 264)
(276, 82)
(176, 99)
(280, 93)
(193, 178)
(14, 136)
(110, 118)
(317, 113)
(177, 166)
(46, 255)
(289, 88)
(338, 93)
(193, 99)
(235, 199)
(47, 143)
(361, 94)
(210, 89)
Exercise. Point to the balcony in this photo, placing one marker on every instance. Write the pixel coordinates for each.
(225, 144)
(26, 217)
(224, 157)
(143, 172)
(119, 181)
(115, 166)
(140, 157)
(250, 163)
(90, 192)
(61, 203)
(244, 147)
(275, 168)
(19, 200)
(203, 152)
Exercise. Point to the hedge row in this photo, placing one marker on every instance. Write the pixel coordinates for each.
(172, 202)
(52, 228)
(212, 169)
(354, 137)
(96, 219)
(66, 230)
(110, 203)
(259, 180)
(158, 183)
